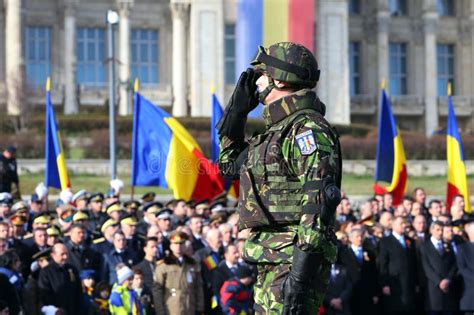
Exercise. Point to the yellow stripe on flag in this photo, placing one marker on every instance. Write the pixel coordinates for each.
(275, 21)
(182, 166)
(457, 170)
(400, 160)
(63, 174)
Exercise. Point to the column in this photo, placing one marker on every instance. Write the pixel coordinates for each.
(180, 16)
(383, 21)
(333, 55)
(70, 98)
(13, 58)
(125, 87)
(430, 21)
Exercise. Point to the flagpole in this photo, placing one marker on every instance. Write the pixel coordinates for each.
(112, 19)
(136, 86)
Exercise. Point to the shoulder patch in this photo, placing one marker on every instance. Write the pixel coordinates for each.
(306, 142)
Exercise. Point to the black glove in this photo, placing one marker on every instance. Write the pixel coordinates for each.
(296, 287)
(242, 102)
(331, 198)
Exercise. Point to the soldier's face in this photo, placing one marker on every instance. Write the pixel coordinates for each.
(177, 249)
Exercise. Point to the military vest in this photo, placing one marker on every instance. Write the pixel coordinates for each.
(270, 193)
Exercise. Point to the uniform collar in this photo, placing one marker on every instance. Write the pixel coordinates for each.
(283, 107)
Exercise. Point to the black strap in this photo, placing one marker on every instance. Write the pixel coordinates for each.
(301, 72)
(313, 185)
(312, 208)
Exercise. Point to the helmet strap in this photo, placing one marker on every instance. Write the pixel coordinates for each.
(263, 95)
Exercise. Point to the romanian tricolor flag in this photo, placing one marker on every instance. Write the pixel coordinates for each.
(266, 22)
(211, 262)
(56, 171)
(164, 154)
(391, 163)
(457, 181)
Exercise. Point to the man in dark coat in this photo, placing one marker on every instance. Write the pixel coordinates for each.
(360, 263)
(59, 283)
(398, 270)
(119, 254)
(439, 265)
(80, 255)
(465, 264)
(8, 173)
(227, 268)
(147, 265)
(339, 292)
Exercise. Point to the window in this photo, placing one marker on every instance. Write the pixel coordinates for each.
(445, 61)
(445, 7)
(38, 54)
(354, 67)
(90, 50)
(354, 7)
(398, 7)
(229, 57)
(145, 56)
(398, 68)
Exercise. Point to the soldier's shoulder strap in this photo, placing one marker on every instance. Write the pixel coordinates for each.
(98, 240)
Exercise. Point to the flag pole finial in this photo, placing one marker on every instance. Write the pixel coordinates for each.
(382, 84)
(48, 84)
(450, 89)
(136, 85)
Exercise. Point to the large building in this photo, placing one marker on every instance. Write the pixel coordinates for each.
(182, 49)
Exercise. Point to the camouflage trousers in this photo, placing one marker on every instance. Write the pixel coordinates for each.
(267, 289)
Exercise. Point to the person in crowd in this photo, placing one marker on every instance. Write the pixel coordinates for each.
(236, 293)
(419, 224)
(398, 270)
(59, 283)
(360, 265)
(164, 221)
(388, 202)
(419, 196)
(119, 254)
(143, 291)
(96, 216)
(9, 181)
(128, 225)
(386, 220)
(195, 224)
(226, 232)
(178, 207)
(31, 294)
(439, 265)
(123, 299)
(336, 301)
(88, 305)
(465, 258)
(80, 255)
(147, 265)
(227, 268)
(105, 244)
(101, 297)
(177, 288)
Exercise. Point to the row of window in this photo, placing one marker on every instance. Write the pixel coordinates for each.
(400, 7)
(91, 55)
(398, 68)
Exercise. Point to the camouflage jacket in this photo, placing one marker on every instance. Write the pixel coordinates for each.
(298, 147)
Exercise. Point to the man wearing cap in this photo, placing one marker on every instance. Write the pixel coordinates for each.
(80, 255)
(177, 288)
(8, 173)
(38, 261)
(96, 216)
(148, 197)
(132, 206)
(5, 204)
(80, 199)
(54, 235)
(128, 226)
(164, 221)
(59, 283)
(114, 211)
(105, 244)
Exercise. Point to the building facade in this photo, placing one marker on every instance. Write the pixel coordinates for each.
(181, 50)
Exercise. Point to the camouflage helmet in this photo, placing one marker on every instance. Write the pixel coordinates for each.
(288, 62)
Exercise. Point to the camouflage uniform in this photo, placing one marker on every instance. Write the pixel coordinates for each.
(281, 195)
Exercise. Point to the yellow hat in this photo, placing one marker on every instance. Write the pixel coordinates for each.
(80, 215)
(17, 219)
(106, 224)
(53, 231)
(129, 220)
(42, 218)
(114, 207)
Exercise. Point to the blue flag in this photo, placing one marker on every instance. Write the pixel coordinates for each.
(216, 116)
(150, 145)
(55, 172)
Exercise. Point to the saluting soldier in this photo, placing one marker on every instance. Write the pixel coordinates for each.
(177, 289)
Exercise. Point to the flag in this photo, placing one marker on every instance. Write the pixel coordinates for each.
(56, 171)
(391, 163)
(266, 22)
(216, 116)
(164, 154)
(457, 181)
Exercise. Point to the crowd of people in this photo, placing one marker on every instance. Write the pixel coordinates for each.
(100, 254)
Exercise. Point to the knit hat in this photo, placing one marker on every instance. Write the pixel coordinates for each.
(87, 274)
(123, 274)
(243, 272)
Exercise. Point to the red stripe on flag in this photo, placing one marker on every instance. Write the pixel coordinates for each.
(209, 182)
(301, 22)
(399, 190)
(452, 192)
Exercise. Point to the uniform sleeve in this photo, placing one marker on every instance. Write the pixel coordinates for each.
(231, 156)
(311, 155)
(159, 290)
